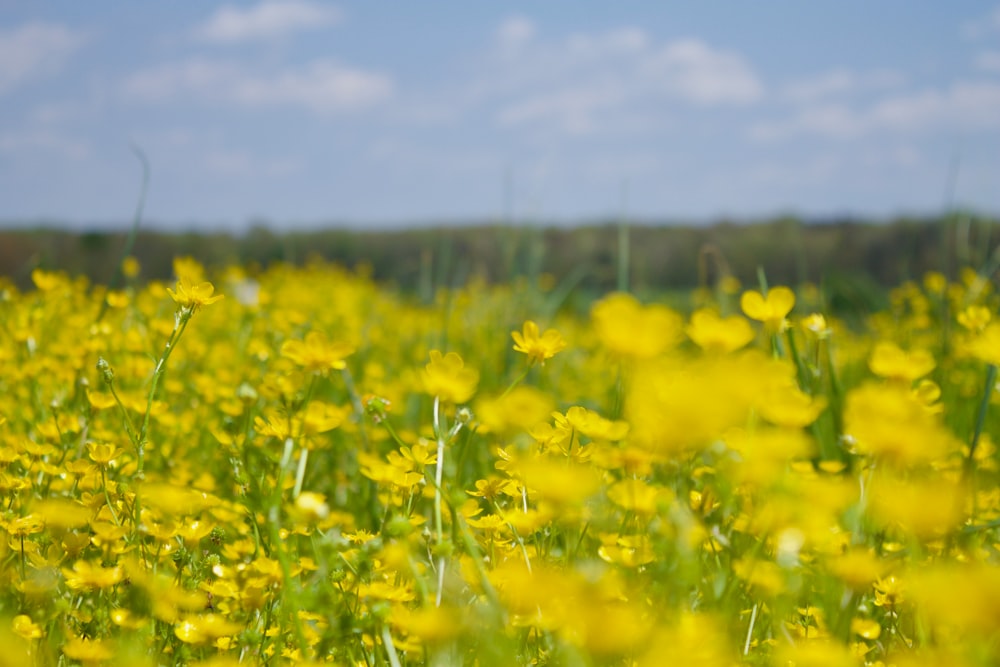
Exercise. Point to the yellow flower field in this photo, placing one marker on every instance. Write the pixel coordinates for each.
(297, 466)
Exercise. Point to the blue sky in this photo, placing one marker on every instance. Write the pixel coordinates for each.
(388, 113)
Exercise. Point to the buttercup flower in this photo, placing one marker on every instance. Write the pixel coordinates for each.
(193, 296)
(538, 347)
(447, 378)
(772, 309)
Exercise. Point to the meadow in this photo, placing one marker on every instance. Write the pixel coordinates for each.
(298, 465)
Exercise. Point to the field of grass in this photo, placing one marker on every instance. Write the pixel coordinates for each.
(299, 465)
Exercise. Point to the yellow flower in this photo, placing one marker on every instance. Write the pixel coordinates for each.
(25, 627)
(889, 423)
(25, 525)
(629, 329)
(638, 496)
(86, 575)
(447, 378)
(316, 354)
(193, 296)
(772, 309)
(889, 361)
(788, 406)
(986, 346)
(103, 453)
(312, 506)
(204, 628)
(816, 325)
(130, 267)
(975, 318)
(88, 650)
(538, 347)
(715, 334)
(866, 628)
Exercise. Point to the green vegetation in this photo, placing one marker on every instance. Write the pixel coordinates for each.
(847, 257)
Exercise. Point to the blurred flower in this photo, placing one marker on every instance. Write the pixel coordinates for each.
(446, 377)
(316, 354)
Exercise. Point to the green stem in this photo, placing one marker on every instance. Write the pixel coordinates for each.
(438, 479)
(390, 648)
(300, 474)
(517, 380)
(183, 317)
(129, 428)
(991, 378)
(107, 498)
(753, 620)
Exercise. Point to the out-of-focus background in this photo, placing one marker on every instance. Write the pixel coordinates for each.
(277, 119)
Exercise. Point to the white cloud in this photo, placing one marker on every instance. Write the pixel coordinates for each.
(34, 141)
(243, 164)
(839, 82)
(34, 50)
(989, 61)
(588, 82)
(323, 86)
(268, 20)
(983, 26)
(695, 72)
(962, 107)
(514, 33)
(573, 108)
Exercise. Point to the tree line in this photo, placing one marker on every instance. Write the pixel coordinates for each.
(596, 257)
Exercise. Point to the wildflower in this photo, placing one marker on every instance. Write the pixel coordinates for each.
(87, 575)
(25, 627)
(629, 329)
(312, 505)
(130, 267)
(491, 489)
(88, 650)
(432, 625)
(816, 325)
(889, 361)
(205, 628)
(788, 406)
(772, 309)
(25, 525)
(447, 378)
(965, 598)
(866, 628)
(925, 508)
(538, 347)
(193, 296)
(986, 346)
(693, 639)
(889, 591)
(561, 482)
(189, 269)
(629, 551)
(637, 496)
(857, 567)
(763, 576)
(47, 281)
(975, 318)
(935, 282)
(888, 422)
(321, 417)
(716, 334)
(316, 354)
(102, 453)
